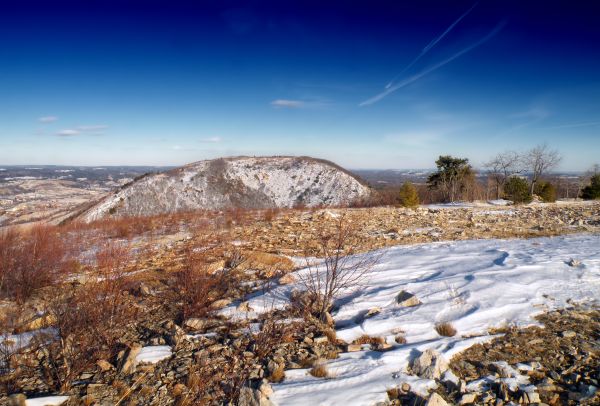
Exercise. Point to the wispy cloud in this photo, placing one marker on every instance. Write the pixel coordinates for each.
(92, 127)
(288, 104)
(213, 140)
(309, 103)
(68, 133)
(574, 125)
(82, 129)
(47, 119)
(438, 65)
(431, 45)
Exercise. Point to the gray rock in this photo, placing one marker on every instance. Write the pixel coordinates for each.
(430, 364)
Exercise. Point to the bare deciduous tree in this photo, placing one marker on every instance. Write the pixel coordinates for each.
(502, 166)
(540, 160)
(339, 269)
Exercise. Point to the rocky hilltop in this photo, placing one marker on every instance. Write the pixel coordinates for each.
(246, 182)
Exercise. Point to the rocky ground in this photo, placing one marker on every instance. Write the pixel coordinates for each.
(205, 360)
(294, 232)
(558, 363)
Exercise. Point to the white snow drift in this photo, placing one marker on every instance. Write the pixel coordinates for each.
(474, 285)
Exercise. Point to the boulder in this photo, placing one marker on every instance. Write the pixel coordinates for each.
(436, 400)
(407, 299)
(130, 362)
(196, 324)
(430, 364)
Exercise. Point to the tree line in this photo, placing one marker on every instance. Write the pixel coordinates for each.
(511, 175)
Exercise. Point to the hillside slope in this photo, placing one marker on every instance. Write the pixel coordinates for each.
(246, 182)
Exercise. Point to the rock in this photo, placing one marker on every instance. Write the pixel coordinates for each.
(17, 400)
(569, 334)
(320, 340)
(287, 279)
(40, 322)
(430, 364)
(436, 400)
(253, 397)
(265, 388)
(196, 324)
(221, 303)
(372, 312)
(144, 290)
(130, 362)
(104, 365)
(244, 307)
(407, 299)
(574, 262)
(353, 347)
(467, 398)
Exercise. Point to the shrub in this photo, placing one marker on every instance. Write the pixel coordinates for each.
(546, 190)
(91, 320)
(445, 329)
(29, 261)
(517, 190)
(408, 195)
(592, 191)
(319, 370)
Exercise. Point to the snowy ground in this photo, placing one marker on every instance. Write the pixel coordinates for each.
(474, 285)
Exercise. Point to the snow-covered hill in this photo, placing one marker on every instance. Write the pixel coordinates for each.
(235, 182)
(474, 285)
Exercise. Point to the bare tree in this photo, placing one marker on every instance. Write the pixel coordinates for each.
(503, 166)
(539, 160)
(340, 270)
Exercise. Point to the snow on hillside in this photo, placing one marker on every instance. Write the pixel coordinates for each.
(474, 285)
(235, 182)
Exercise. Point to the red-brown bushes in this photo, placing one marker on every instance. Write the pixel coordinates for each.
(30, 260)
(197, 285)
(91, 320)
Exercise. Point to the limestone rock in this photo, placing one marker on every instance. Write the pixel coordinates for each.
(430, 364)
(407, 299)
(436, 400)
(130, 362)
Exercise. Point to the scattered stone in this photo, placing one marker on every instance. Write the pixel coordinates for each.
(130, 362)
(407, 299)
(353, 347)
(569, 334)
(430, 364)
(196, 324)
(467, 398)
(436, 400)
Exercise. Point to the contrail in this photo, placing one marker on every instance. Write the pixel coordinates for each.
(431, 45)
(438, 65)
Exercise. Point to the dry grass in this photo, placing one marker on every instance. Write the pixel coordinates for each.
(277, 375)
(366, 339)
(400, 339)
(445, 329)
(319, 370)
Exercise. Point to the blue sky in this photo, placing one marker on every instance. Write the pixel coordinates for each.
(368, 85)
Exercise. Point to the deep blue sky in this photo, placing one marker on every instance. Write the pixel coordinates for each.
(165, 83)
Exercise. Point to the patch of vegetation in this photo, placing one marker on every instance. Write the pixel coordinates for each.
(517, 190)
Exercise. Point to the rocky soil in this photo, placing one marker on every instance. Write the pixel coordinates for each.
(554, 364)
(294, 232)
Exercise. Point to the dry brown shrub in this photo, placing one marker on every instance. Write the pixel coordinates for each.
(400, 339)
(366, 339)
(30, 260)
(91, 320)
(278, 375)
(319, 370)
(445, 329)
